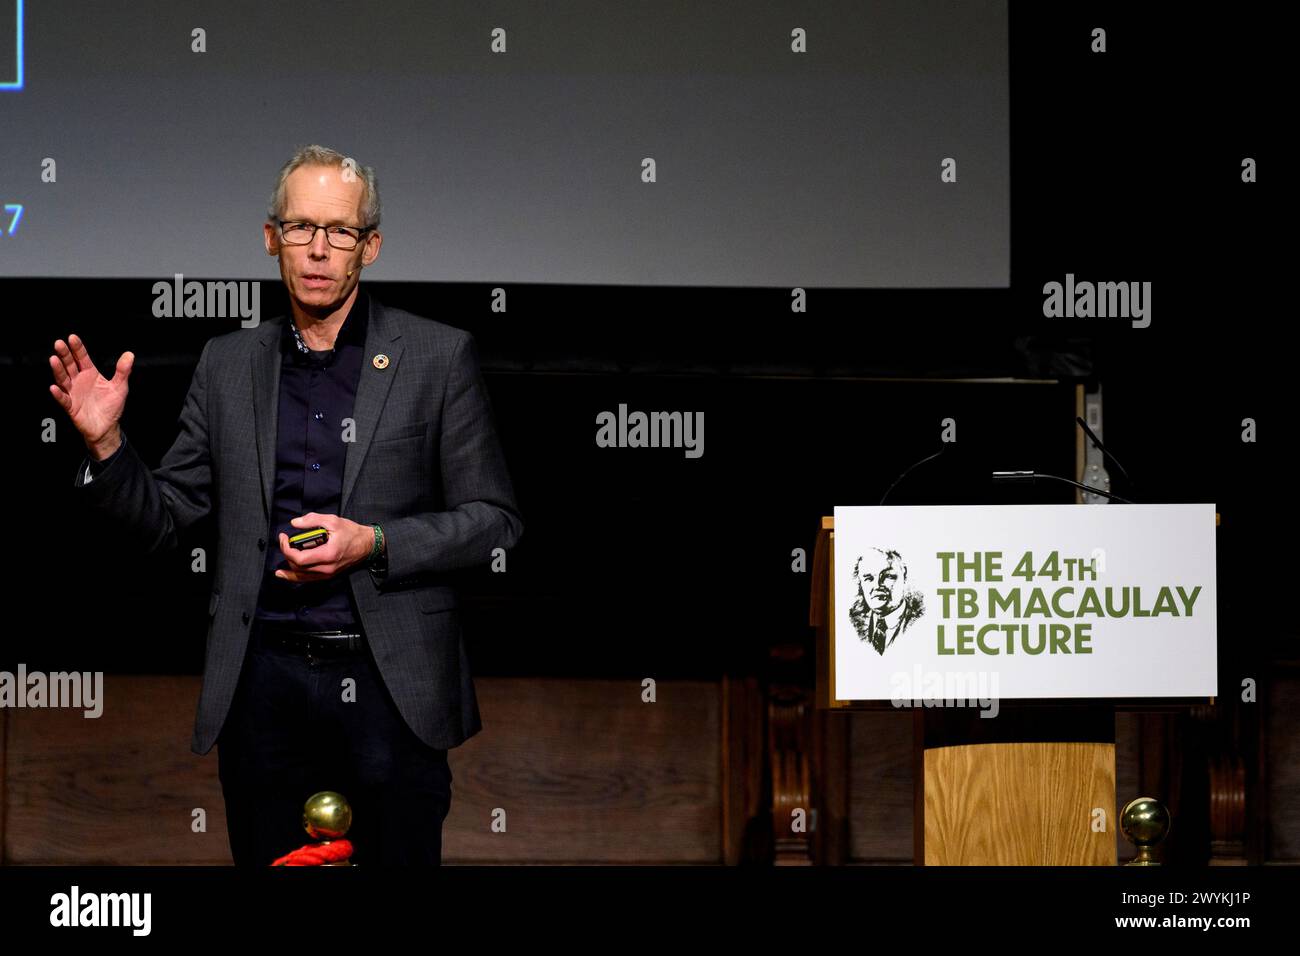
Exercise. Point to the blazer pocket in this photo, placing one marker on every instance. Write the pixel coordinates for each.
(435, 599)
(213, 601)
(408, 430)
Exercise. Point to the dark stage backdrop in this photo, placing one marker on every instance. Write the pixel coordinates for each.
(1122, 167)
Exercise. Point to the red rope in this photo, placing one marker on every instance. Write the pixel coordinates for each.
(314, 854)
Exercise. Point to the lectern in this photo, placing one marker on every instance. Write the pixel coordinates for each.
(1035, 785)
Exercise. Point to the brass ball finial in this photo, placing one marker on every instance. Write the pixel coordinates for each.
(326, 815)
(1145, 822)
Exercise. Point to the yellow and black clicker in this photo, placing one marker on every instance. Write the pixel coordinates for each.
(309, 539)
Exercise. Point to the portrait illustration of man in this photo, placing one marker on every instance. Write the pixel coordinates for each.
(883, 606)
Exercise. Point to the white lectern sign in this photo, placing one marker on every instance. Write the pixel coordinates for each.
(1024, 601)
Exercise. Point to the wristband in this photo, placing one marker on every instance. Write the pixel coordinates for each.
(377, 552)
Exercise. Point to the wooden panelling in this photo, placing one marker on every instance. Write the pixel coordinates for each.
(1282, 698)
(587, 773)
(583, 769)
(120, 788)
(742, 765)
(4, 777)
(880, 786)
(1127, 775)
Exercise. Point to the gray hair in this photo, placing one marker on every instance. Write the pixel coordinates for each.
(324, 156)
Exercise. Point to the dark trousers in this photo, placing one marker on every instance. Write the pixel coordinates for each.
(291, 733)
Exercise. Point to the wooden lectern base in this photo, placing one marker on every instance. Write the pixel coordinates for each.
(1034, 786)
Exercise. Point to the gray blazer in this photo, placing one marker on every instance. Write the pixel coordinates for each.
(426, 465)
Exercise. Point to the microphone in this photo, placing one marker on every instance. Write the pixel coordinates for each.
(907, 471)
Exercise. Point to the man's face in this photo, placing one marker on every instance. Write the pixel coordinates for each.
(879, 577)
(316, 274)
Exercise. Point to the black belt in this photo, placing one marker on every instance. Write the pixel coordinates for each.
(309, 643)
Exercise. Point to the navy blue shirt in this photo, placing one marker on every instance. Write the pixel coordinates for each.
(317, 392)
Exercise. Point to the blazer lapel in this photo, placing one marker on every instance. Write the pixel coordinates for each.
(266, 389)
(382, 337)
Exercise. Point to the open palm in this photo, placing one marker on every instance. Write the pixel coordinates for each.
(94, 403)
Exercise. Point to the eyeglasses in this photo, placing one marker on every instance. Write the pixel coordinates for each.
(303, 233)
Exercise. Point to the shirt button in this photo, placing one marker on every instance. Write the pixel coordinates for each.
(261, 544)
(315, 466)
(319, 416)
(244, 617)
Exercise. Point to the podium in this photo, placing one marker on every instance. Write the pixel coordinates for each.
(1034, 787)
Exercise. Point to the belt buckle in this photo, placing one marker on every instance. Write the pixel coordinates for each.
(308, 647)
(334, 637)
(302, 640)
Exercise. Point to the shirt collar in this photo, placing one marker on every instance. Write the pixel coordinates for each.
(894, 616)
(353, 329)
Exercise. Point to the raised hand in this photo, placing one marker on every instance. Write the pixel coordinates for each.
(94, 403)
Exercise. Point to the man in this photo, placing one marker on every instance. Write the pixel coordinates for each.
(340, 666)
(882, 609)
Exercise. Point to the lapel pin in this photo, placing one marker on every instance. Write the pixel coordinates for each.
(380, 361)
